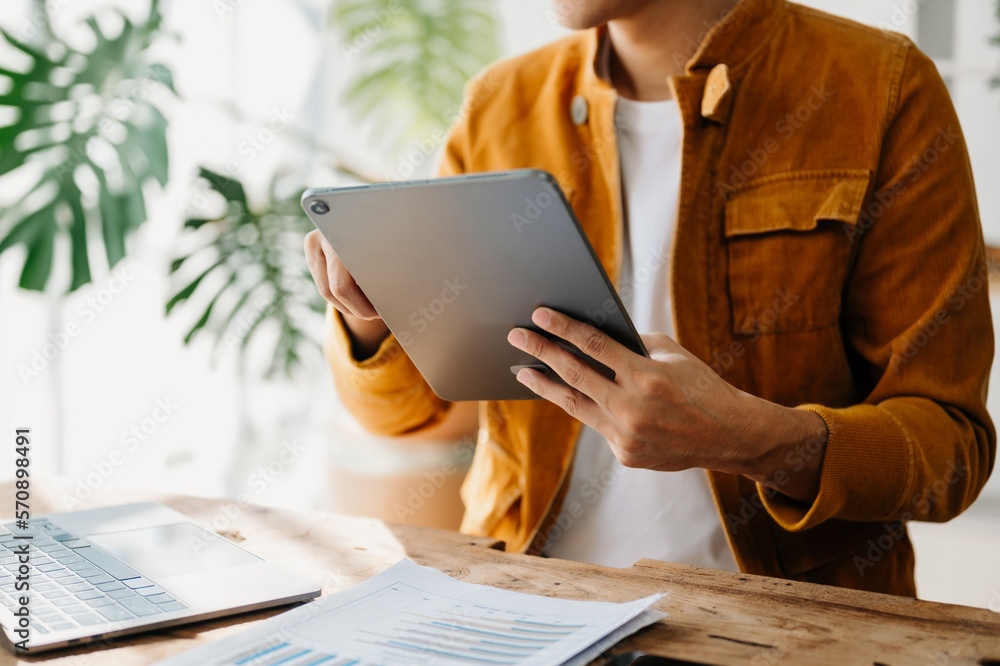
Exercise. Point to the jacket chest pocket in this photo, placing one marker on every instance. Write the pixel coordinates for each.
(789, 244)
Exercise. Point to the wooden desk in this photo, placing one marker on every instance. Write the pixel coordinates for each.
(715, 617)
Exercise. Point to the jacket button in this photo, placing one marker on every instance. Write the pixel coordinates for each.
(578, 110)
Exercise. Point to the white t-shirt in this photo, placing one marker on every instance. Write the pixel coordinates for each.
(614, 515)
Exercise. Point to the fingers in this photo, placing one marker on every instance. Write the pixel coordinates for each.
(573, 402)
(586, 338)
(333, 280)
(316, 261)
(572, 369)
(346, 290)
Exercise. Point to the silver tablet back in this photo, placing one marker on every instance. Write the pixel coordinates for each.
(453, 264)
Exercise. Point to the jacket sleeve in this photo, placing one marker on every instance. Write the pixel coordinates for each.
(386, 392)
(916, 312)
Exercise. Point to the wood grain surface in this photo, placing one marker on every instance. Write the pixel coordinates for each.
(715, 617)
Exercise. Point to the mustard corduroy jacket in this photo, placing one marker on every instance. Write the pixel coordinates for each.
(827, 255)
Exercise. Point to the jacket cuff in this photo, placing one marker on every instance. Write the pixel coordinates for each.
(867, 465)
(385, 392)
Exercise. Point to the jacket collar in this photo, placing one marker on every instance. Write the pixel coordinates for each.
(738, 35)
(733, 40)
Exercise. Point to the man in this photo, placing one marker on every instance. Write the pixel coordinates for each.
(785, 201)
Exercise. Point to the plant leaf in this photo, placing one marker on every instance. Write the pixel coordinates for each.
(111, 72)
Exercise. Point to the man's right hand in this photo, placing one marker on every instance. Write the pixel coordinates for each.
(337, 285)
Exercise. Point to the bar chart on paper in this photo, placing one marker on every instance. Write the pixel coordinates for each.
(411, 615)
(471, 636)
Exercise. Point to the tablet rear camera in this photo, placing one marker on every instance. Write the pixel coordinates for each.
(319, 207)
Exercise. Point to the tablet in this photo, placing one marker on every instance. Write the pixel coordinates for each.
(453, 264)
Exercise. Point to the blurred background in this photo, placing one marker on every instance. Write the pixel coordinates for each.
(158, 328)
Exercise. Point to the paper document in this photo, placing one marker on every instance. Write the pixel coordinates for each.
(411, 615)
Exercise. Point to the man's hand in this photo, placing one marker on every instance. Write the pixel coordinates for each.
(671, 411)
(337, 285)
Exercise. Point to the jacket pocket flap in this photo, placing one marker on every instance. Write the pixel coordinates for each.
(797, 201)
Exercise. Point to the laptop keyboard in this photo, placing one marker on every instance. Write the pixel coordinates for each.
(73, 584)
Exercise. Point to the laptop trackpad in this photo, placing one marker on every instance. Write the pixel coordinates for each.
(172, 550)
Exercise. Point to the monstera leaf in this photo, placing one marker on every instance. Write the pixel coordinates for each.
(254, 258)
(413, 58)
(83, 140)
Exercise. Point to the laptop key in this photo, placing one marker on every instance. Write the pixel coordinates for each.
(89, 594)
(115, 612)
(88, 619)
(101, 578)
(121, 594)
(104, 561)
(172, 606)
(78, 587)
(75, 543)
(80, 566)
(67, 558)
(160, 598)
(110, 585)
(139, 606)
(150, 591)
(97, 602)
(136, 583)
(60, 626)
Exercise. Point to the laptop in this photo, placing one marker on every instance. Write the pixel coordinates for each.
(97, 574)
